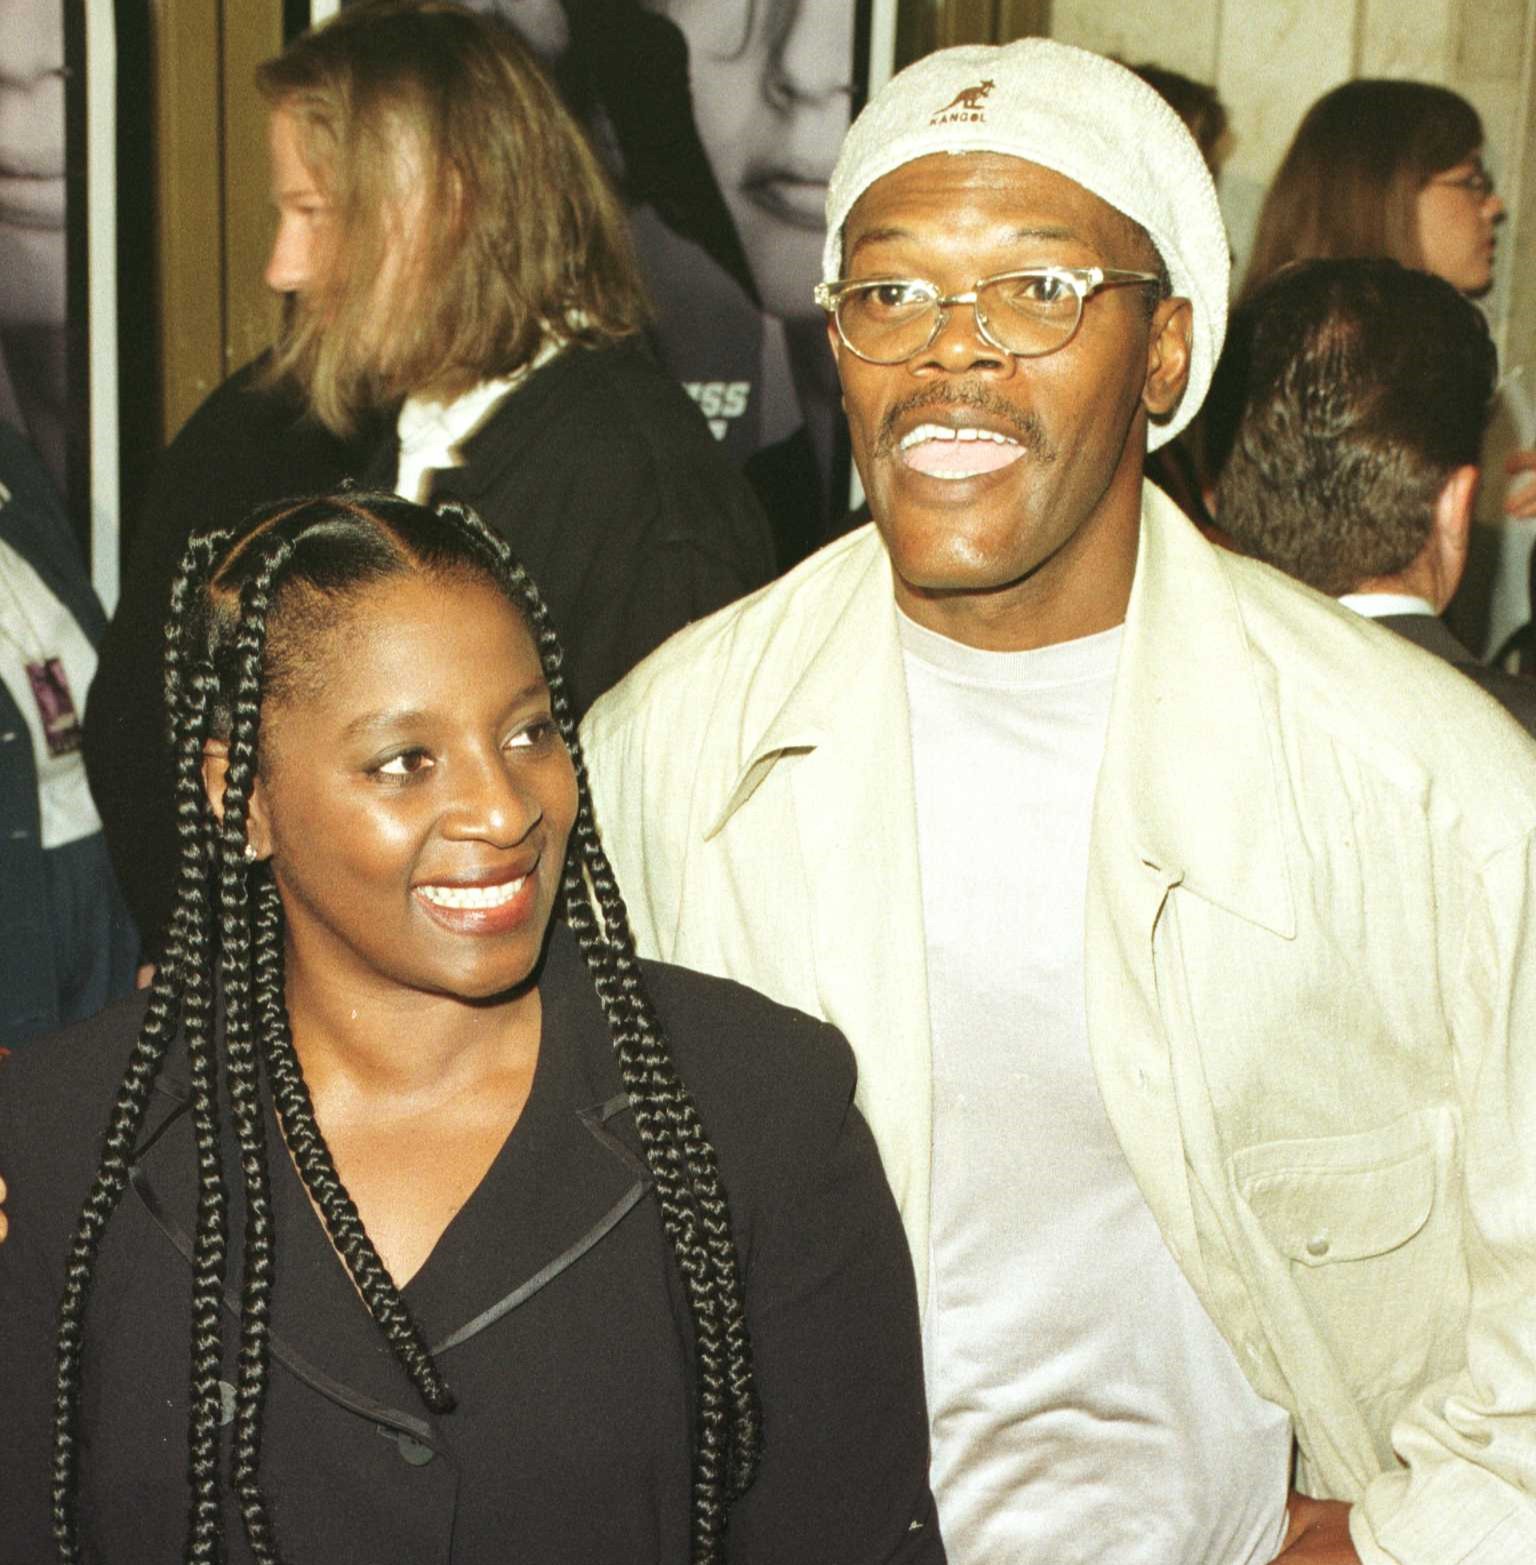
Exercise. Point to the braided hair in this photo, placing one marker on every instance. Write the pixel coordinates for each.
(237, 616)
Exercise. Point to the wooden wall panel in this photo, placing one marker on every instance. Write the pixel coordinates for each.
(189, 200)
(214, 220)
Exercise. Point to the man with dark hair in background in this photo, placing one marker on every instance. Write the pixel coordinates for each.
(1362, 390)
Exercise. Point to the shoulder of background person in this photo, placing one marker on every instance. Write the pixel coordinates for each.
(57, 1092)
(248, 443)
(645, 405)
(1516, 693)
(643, 445)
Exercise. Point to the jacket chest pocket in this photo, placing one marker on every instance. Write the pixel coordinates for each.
(1366, 1227)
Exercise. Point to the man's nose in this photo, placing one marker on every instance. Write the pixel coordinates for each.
(959, 348)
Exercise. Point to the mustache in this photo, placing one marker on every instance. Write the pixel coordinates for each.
(1023, 425)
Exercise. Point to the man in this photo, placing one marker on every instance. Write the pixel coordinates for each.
(1184, 960)
(1354, 465)
(463, 304)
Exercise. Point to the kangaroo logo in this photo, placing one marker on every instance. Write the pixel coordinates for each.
(967, 104)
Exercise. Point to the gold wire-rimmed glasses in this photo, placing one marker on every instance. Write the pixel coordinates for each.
(1027, 313)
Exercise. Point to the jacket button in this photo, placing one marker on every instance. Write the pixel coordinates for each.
(413, 1451)
(20, 834)
(8, 737)
(1317, 1245)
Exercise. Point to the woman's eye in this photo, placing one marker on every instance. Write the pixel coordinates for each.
(409, 763)
(533, 735)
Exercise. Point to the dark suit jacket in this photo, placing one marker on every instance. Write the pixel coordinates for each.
(552, 1303)
(1514, 692)
(599, 471)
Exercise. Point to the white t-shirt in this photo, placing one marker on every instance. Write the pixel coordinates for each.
(1084, 1406)
(35, 626)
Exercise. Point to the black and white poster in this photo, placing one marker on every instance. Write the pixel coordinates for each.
(58, 376)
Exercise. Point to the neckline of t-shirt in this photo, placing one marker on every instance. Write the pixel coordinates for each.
(1082, 660)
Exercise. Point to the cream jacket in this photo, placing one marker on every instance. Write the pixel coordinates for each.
(1311, 975)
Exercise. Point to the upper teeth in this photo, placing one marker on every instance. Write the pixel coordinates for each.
(945, 432)
(472, 896)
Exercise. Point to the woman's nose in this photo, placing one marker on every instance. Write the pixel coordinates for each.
(290, 264)
(490, 805)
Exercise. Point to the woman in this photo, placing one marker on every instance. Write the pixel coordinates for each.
(577, 1350)
(1383, 169)
(463, 310)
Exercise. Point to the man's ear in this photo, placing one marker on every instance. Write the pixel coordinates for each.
(1451, 531)
(258, 830)
(1168, 355)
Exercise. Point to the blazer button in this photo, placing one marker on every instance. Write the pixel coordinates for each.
(8, 737)
(413, 1451)
(1317, 1245)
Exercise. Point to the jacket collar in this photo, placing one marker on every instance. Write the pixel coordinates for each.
(569, 1172)
(1192, 721)
(854, 667)
(1191, 781)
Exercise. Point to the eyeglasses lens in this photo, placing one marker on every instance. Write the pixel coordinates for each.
(1029, 315)
(887, 322)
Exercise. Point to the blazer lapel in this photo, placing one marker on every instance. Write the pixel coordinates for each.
(567, 1175)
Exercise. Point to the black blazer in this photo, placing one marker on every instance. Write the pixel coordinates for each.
(1516, 693)
(551, 1301)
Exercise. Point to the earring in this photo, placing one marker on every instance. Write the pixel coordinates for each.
(250, 854)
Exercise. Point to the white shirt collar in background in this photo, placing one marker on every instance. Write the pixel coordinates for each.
(431, 433)
(1375, 605)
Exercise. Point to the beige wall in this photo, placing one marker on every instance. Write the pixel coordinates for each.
(1270, 59)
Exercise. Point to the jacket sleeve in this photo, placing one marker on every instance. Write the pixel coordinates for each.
(1466, 1494)
(833, 1314)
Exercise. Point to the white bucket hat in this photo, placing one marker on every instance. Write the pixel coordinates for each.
(1074, 112)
